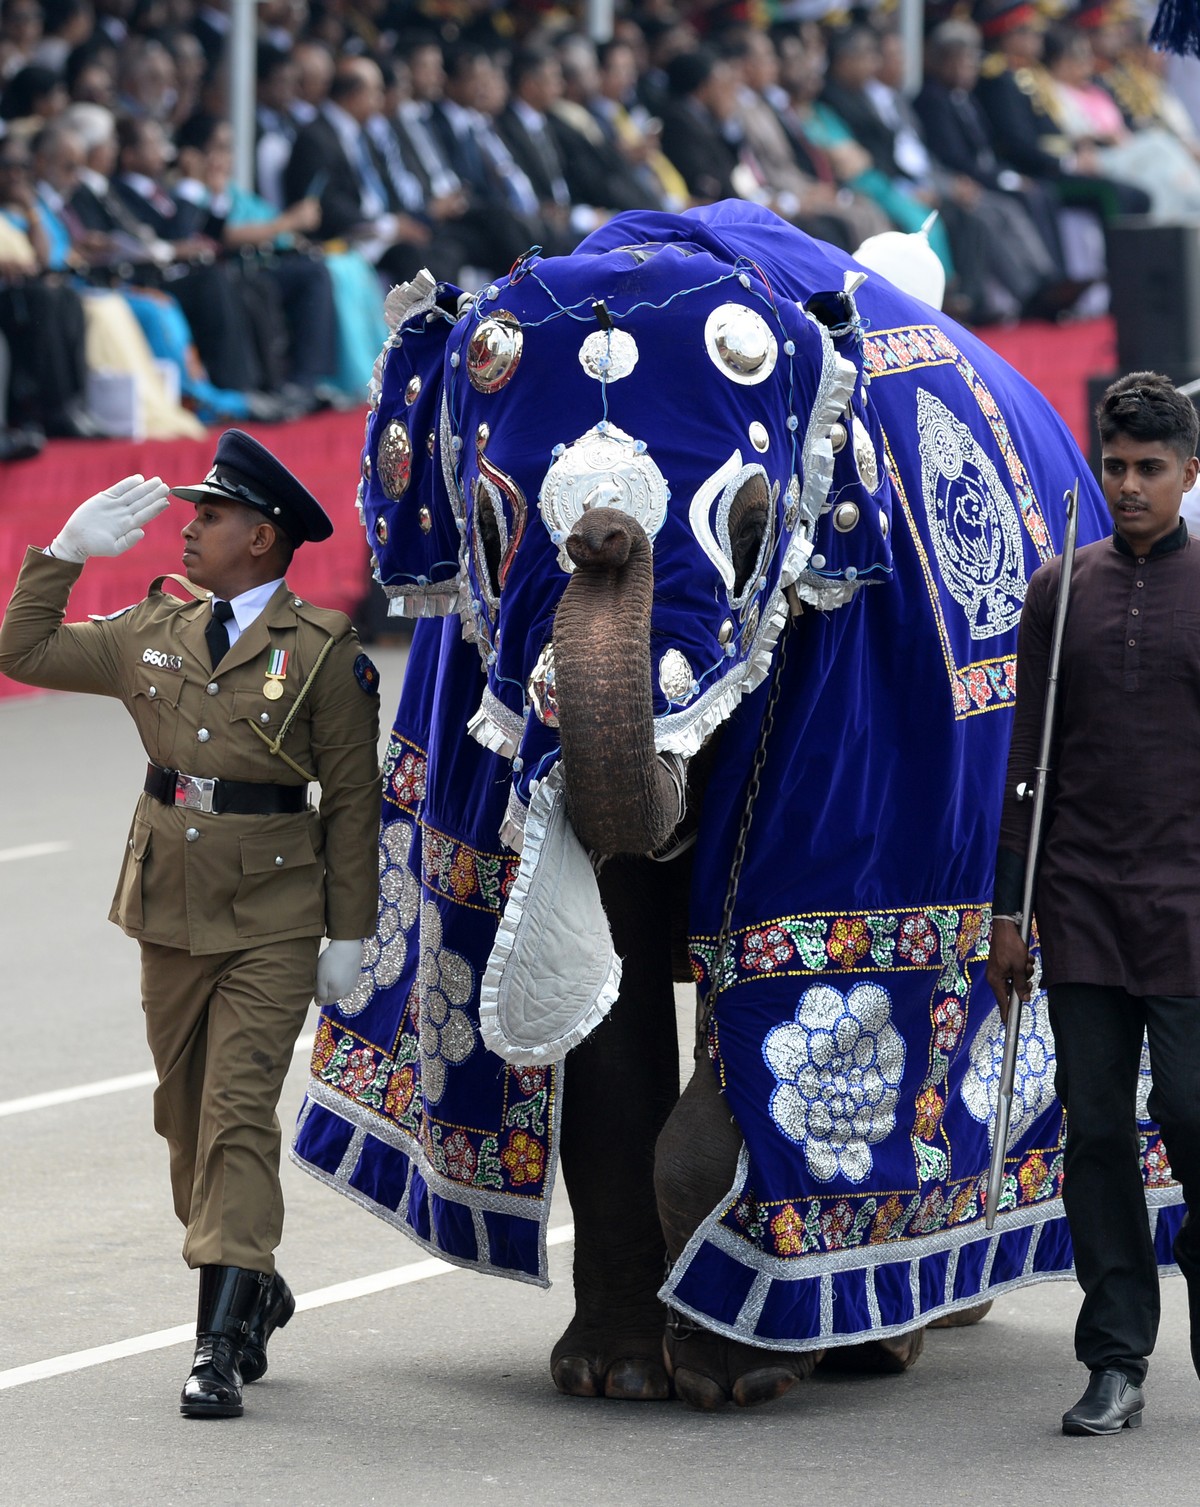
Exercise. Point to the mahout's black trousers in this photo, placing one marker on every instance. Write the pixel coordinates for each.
(1098, 1033)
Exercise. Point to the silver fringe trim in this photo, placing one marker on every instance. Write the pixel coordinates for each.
(890, 1253)
(548, 793)
(438, 599)
(496, 726)
(512, 828)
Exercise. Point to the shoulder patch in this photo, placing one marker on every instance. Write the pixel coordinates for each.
(367, 675)
(107, 617)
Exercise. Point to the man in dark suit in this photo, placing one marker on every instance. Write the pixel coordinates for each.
(1013, 93)
(336, 160)
(596, 170)
(527, 131)
(700, 103)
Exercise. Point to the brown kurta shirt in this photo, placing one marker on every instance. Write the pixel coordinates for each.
(1118, 894)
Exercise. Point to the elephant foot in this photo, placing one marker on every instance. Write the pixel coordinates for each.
(710, 1371)
(877, 1357)
(626, 1368)
(962, 1317)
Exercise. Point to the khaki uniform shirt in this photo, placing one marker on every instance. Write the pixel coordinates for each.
(209, 882)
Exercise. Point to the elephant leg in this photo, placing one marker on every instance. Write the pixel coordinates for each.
(961, 1318)
(619, 1087)
(877, 1357)
(695, 1166)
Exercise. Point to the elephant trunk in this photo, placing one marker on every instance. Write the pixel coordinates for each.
(620, 796)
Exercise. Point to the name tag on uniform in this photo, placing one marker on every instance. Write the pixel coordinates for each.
(162, 661)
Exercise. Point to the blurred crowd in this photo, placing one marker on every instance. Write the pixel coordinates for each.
(396, 134)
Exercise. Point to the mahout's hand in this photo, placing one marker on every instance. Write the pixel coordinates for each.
(1010, 965)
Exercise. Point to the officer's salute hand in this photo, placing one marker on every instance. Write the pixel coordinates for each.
(112, 521)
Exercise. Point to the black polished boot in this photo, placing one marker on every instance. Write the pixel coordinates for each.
(229, 1296)
(275, 1307)
(1111, 1403)
(1189, 1265)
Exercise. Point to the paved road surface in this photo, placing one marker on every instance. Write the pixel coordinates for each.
(389, 1390)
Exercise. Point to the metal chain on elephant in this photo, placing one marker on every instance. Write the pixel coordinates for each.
(709, 1003)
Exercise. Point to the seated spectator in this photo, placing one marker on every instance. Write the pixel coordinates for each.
(697, 111)
(1016, 94)
(851, 114)
(526, 127)
(90, 73)
(631, 128)
(1088, 116)
(20, 36)
(274, 259)
(336, 161)
(817, 206)
(147, 88)
(15, 443)
(276, 124)
(596, 170)
(66, 24)
(31, 98)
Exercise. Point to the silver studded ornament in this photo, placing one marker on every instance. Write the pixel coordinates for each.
(759, 437)
(412, 390)
(608, 355)
(845, 517)
(541, 688)
(675, 676)
(740, 343)
(864, 456)
(394, 461)
(494, 352)
(604, 468)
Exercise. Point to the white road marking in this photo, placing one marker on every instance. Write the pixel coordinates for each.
(33, 850)
(101, 1087)
(163, 1339)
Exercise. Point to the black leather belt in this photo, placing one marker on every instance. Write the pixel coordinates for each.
(239, 797)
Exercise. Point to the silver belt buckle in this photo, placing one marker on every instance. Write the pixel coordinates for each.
(193, 793)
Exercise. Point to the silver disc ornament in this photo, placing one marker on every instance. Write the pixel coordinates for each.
(740, 343)
(494, 351)
(608, 355)
(604, 468)
(393, 464)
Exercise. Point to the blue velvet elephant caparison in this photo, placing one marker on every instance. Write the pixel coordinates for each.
(718, 552)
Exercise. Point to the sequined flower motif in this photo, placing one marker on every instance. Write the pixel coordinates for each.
(838, 1067)
(1145, 1084)
(446, 981)
(399, 900)
(1033, 1082)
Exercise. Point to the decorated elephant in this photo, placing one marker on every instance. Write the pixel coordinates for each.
(729, 546)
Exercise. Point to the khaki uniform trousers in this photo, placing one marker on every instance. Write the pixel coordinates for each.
(221, 1029)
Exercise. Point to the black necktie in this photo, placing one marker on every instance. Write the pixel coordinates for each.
(216, 635)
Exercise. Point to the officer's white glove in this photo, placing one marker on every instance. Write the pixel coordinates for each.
(338, 969)
(111, 522)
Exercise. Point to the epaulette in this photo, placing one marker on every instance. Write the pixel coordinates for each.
(336, 624)
(993, 65)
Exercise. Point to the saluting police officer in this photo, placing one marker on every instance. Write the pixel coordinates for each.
(243, 694)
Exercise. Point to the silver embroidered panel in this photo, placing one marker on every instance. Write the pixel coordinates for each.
(399, 900)
(1033, 1082)
(838, 1067)
(973, 521)
(604, 468)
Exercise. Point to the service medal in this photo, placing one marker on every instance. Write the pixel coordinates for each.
(276, 674)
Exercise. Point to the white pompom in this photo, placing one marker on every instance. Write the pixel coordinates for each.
(908, 261)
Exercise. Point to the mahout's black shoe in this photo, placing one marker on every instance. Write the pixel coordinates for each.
(229, 1296)
(1111, 1403)
(275, 1308)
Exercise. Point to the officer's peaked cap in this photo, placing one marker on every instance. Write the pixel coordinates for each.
(245, 471)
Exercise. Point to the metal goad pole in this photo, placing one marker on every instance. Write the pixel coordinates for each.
(1012, 1032)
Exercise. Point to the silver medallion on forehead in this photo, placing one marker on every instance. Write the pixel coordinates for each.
(740, 344)
(608, 355)
(604, 468)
